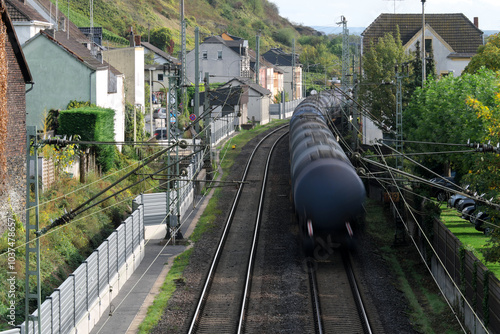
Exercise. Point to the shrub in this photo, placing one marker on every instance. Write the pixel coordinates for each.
(91, 124)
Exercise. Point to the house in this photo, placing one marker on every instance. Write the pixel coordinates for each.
(259, 99)
(230, 100)
(270, 76)
(160, 57)
(26, 20)
(164, 65)
(130, 62)
(453, 38)
(223, 57)
(15, 76)
(64, 70)
(292, 71)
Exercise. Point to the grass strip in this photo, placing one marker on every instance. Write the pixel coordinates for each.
(155, 311)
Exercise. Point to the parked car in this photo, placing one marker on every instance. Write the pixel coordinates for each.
(454, 199)
(463, 203)
(160, 113)
(438, 192)
(468, 212)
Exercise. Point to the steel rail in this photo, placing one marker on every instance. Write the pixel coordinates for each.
(315, 296)
(218, 252)
(357, 296)
(255, 237)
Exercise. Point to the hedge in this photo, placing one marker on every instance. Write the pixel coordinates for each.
(91, 124)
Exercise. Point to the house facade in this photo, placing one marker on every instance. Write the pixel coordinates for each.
(292, 71)
(16, 80)
(258, 97)
(222, 59)
(453, 38)
(64, 70)
(130, 62)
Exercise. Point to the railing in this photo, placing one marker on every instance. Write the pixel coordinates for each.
(283, 110)
(88, 292)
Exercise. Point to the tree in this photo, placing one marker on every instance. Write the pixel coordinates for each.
(377, 91)
(439, 113)
(161, 37)
(487, 55)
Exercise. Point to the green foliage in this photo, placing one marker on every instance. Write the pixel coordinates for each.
(129, 123)
(380, 62)
(92, 124)
(436, 112)
(488, 55)
(285, 36)
(161, 37)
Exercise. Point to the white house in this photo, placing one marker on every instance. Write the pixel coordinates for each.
(453, 38)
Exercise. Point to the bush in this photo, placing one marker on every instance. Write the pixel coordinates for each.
(91, 124)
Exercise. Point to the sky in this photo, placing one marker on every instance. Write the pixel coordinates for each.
(361, 13)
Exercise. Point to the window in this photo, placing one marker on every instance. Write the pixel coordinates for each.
(160, 77)
(204, 54)
(219, 54)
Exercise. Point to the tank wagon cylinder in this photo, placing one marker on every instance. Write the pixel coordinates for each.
(326, 190)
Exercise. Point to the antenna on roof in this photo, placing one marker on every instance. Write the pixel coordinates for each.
(394, 4)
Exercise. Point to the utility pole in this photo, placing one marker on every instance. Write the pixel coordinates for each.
(345, 54)
(32, 229)
(197, 79)
(293, 69)
(183, 56)
(207, 158)
(423, 44)
(257, 61)
(400, 74)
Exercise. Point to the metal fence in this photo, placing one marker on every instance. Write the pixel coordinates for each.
(283, 110)
(87, 293)
(468, 273)
(222, 127)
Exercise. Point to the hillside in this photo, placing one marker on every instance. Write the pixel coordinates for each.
(241, 18)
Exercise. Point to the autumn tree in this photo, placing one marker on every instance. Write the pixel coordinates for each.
(487, 55)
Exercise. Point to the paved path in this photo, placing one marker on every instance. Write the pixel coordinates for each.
(130, 305)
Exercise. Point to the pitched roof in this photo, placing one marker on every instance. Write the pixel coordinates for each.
(48, 9)
(278, 57)
(18, 52)
(237, 45)
(262, 62)
(21, 12)
(160, 52)
(74, 48)
(456, 29)
(246, 81)
(231, 96)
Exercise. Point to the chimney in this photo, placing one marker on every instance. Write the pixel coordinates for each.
(476, 22)
(137, 40)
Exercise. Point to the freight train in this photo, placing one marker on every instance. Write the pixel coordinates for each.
(327, 193)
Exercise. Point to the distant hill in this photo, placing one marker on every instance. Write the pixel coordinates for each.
(490, 32)
(328, 30)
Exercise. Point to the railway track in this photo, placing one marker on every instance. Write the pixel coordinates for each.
(337, 303)
(222, 303)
